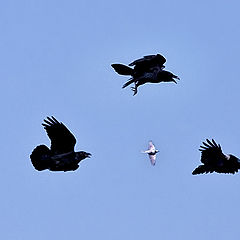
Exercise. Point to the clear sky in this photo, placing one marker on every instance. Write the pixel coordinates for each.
(55, 60)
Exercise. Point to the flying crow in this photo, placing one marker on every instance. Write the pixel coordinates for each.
(146, 69)
(214, 160)
(151, 152)
(61, 156)
(152, 77)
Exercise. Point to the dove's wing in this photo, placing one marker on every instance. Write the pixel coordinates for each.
(151, 146)
(152, 159)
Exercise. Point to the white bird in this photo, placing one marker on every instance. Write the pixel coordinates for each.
(152, 151)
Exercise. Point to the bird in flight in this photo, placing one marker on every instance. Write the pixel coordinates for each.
(152, 77)
(152, 151)
(214, 160)
(146, 69)
(61, 156)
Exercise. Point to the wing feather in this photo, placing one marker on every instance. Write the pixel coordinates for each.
(151, 146)
(62, 140)
(152, 159)
(157, 59)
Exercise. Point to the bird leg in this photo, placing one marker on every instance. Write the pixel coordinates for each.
(134, 89)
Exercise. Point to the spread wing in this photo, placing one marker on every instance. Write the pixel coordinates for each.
(212, 154)
(149, 60)
(151, 146)
(214, 160)
(152, 159)
(62, 140)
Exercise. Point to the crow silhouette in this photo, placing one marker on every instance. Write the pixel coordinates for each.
(61, 156)
(214, 160)
(146, 69)
(153, 77)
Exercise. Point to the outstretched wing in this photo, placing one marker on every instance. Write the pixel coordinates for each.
(149, 60)
(152, 159)
(202, 169)
(62, 140)
(212, 154)
(151, 146)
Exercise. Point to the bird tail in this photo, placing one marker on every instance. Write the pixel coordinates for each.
(128, 83)
(40, 157)
(202, 169)
(122, 69)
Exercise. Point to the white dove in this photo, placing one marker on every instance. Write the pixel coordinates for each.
(151, 152)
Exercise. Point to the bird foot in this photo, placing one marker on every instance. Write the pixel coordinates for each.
(134, 90)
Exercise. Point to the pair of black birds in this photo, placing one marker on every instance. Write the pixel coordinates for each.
(62, 157)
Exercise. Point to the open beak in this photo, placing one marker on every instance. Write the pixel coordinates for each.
(89, 155)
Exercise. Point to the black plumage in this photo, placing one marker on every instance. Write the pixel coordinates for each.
(140, 66)
(61, 156)
(147, 63)
(146, 69)
(152, 77)
(214, 160)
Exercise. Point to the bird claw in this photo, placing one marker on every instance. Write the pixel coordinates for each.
(134, 90)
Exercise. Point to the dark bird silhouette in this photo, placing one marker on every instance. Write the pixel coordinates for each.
(152, 77)
(146, 69)
(61, 156)
(146, 64)
(214, 160)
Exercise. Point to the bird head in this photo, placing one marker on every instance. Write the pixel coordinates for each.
(82, 155)
(165, 76)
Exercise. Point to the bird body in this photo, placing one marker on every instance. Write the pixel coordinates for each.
(154, 77)
(146, 69)
(61, 156)
(214, 160)
(152, 151)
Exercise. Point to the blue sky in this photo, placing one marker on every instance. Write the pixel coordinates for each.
(55, 60)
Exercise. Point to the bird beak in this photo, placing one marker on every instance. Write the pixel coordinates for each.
(89, 155)
(174, 81)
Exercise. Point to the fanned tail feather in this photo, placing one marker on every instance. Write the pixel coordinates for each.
(122, 69)
(40, 157)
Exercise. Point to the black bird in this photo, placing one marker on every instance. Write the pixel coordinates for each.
(61, 156)
(152, 77)
(214, 160)
(146, 64)
(146, 69)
